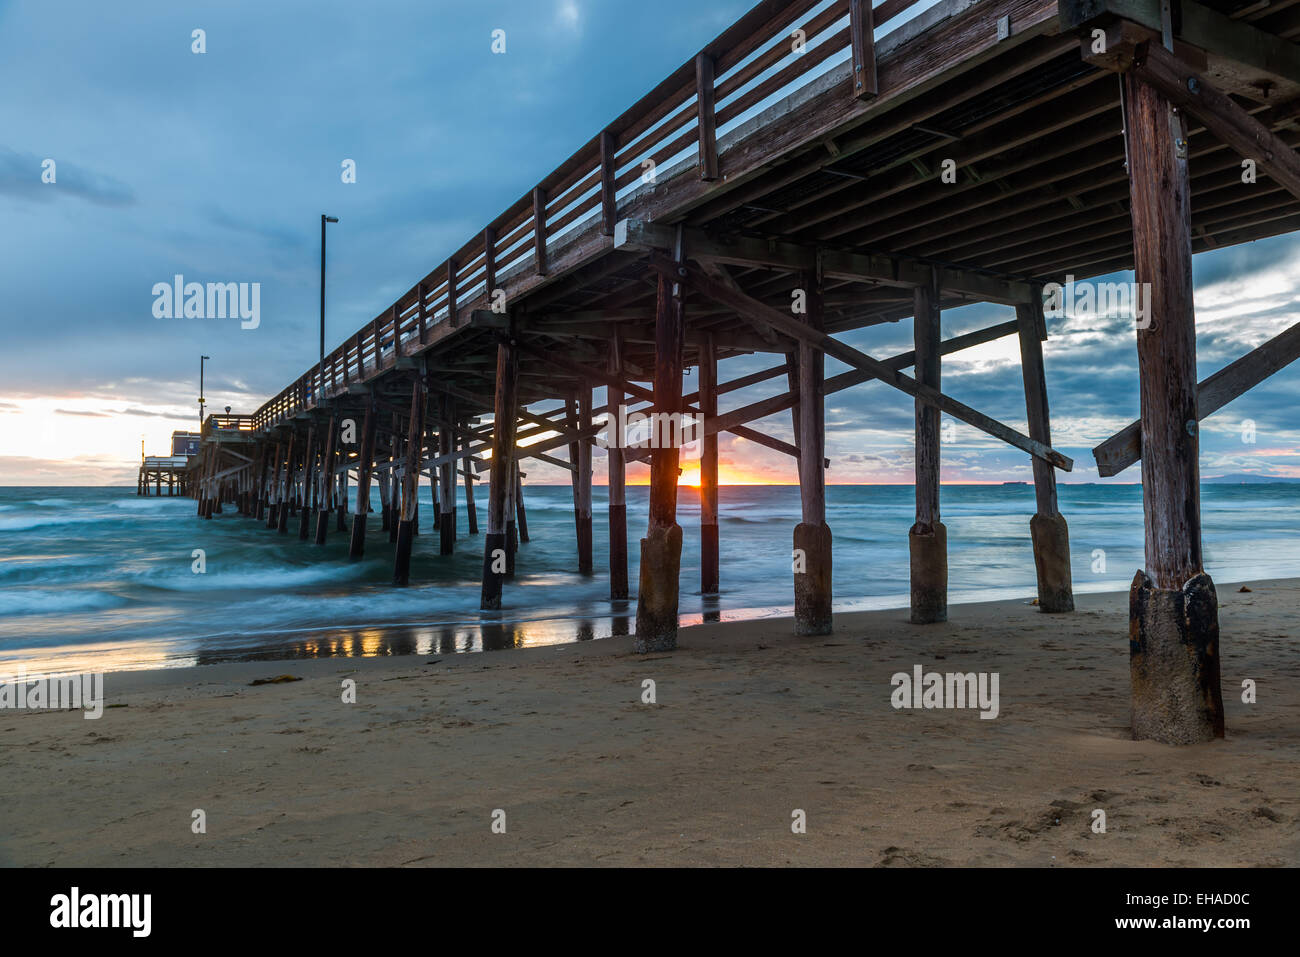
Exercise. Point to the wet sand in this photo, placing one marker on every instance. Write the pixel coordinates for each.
(750, 724)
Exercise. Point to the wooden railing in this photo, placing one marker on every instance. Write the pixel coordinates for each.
(775, 49)
(240, 423)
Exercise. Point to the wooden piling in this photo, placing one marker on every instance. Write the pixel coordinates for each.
(1048, 528)
(501, 476)
(661, 549)
(410, 486)
(326, 483)
(308, 467)
(1173, 608)
(471, 510)
(518, 516)
(259, 482)
(582, 485)
(812, 536)
(273, 510)
(512, 531)
(928, 538)
(618, 583)
(365, 466)
(286, 488)
(394, 488)
(447, 474)
(709, 559)
(341, 502)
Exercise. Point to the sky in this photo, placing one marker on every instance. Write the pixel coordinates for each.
(217, 166)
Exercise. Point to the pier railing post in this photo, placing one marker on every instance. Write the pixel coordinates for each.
(501, 476)
(812, 536)
(410, 487)
(661, 549)
(1173, 608)
(1051, 535)
(928, 539)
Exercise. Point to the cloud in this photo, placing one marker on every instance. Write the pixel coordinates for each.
(21, 177)
(97, 415)
(568, 15)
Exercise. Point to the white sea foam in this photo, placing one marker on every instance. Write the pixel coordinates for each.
(45, 601)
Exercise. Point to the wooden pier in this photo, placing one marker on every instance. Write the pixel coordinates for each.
(818, 168)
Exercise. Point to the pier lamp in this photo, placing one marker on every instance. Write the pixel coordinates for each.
(202, 401)
(320, 387)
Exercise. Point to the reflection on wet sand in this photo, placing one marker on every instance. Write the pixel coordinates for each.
(442, 639)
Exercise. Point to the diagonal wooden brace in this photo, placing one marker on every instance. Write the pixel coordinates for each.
(744, 304)
(1125, 447)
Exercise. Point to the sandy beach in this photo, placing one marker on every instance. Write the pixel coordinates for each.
(749, 725)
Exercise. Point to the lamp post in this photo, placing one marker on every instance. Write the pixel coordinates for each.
(320, 388)
(202, 401)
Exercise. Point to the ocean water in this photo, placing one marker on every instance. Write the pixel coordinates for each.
(97, 578)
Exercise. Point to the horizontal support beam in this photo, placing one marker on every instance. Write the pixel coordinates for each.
(1125, 447)
(1241, 54)
(889, 270)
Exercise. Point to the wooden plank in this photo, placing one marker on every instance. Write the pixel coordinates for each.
(860, 360)
(707, 129)
(862, 39)
(1125, 447)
